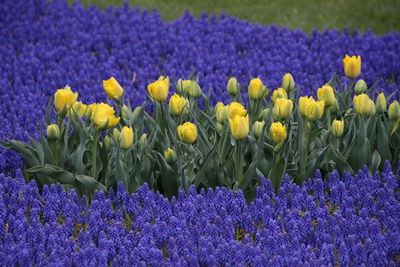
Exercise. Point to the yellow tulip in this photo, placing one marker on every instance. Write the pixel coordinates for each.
(113, 89)
(79, 108)
(278, 93)
(315, 110)
(103, 116)
(337, 128)
(178, 104)
(159, 89)
(221, 112)
(363, 105)
(170, 155)
(381, 103)
(278, 132)
(258, 128)
(288, 82)
(352, 66)
(126, 137)
(239, 126)
(303, 102)
(236, 109)
(394, 111)
(256, 89)
(326, 94)
(187, 132)
(233, 86)
(282, 108)
(64, 98)
(53, 132)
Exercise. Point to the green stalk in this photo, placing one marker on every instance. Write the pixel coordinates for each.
(94, 153)
(162, 122)
(239, 162)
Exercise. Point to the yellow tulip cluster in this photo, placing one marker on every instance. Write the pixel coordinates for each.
(238, 120)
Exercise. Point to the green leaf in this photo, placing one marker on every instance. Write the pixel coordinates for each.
(27, 152)
(383, 142)
(58, 174)
(120, 169)
(90, 183)
(168, 177)
(375, 162)
(277, 172)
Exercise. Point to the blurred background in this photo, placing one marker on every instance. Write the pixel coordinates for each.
(382, 16)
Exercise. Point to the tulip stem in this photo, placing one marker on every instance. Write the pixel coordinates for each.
(239, 164)
(162, 121)
(94, 153)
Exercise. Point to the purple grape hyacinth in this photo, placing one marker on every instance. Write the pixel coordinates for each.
(346, 220)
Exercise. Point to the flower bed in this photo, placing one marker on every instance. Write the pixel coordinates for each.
(48, 44)
(344, 220)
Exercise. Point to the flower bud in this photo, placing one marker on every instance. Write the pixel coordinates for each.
(256, 89)
(394, 111)
(352, 66)
(113, 89)
(233, 86)
(278, 132)
(136, 113)
(170, 155)
(116, 134)
(221, 112)
(337, 128)
(194, 90)
(360, 87)
(239, 127)
(106, 142)
(53, 132)
(315, 110)
(363, 105)
(187, 132)
(288, 82)
(278, 93)
(264, 114)
(126, 137)
(126, 113)
(381, 103)
(143, 140)
(79, 108)
(219, 127)
(258, 128)
(282, 108)
(177, 105)
(326, 94)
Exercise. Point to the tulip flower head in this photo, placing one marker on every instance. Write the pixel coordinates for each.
(394, 111)
(187, 132)
(233, 86)
(126, 137)
(159, 89)
(303, 102)
(363, 105)
(360, 87)
(236, 109)
(278, 93)
(337, 128)
(113, 89)
(282, 108)
(258, 128)
(170, 155)
(326, 94)
(79, 108)
(221, 112)
(352, 66)
(288, 82)
(103, 116)
(53, 132)
(278, 132)
(178, 104)
(256, 89)
(239, 126)
(315, 110)
(380, 104)
(64, 98)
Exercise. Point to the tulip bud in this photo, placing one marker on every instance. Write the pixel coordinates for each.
(278, 93)
(113, 89)
(256, 89)
(178, 104)
(315, 110)
(352, 66)
(126, 113)
(187, 132)
(221, 112)
(191, 88)
(53, 132)
(282, 108)
(360, 87)
(394, 111)
(136, 113)
(219, 127)
(239, 127)
(258, 128)
(337, 128)
(288, 82)
(143, 140)
(233, 86)
(116, 134)
(326, 94)
(381, 103)
(170, 155)
(126, 137)
(264, 114)
(278, 132)
(159, 89)
(363, 105)
(79, 108)
(106, 142)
